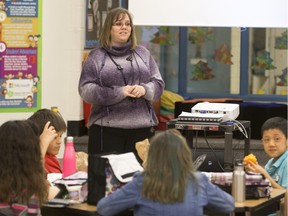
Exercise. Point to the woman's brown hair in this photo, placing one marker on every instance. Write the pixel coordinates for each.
(116, 14)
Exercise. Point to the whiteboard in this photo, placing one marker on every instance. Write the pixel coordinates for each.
(210, 13)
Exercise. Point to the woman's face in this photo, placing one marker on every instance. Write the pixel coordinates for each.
(121, 31)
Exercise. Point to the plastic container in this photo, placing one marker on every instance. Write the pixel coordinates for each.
(238, 183)
(69, 158)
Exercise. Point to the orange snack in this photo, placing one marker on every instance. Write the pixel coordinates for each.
(251, 158)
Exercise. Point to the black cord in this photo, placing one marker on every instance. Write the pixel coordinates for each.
(119, 67)
(213, 151)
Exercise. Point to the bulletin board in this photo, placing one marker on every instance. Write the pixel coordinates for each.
(20, 55)
(96, 12)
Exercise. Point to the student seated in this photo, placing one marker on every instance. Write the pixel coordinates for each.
(275, 143)
(52, 126)
(169, 184)
(23, 184)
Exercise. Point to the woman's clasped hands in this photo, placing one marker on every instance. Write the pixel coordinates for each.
(135, 91)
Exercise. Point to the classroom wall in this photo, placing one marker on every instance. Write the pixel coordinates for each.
(62, 48)
(221, 13)
(63, 38)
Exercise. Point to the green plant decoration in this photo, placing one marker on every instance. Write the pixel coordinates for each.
(282, 42)
(202, 71)
(223, 55)
(163, 36)
(263, 62)
(198, 36)
(283, 78)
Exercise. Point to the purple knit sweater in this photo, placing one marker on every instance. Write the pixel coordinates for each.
(101, 84)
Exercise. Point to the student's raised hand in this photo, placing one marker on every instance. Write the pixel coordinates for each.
(47, 136)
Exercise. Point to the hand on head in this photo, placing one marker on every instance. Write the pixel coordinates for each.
(48, 135)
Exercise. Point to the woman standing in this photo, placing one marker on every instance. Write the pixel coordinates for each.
(120, 79)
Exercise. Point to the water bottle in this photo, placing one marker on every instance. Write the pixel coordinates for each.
(238, 182)
(69, 158)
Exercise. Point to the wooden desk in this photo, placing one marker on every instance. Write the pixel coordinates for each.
(261, 206)
(87, 210)
(81, 209)
(257, 207)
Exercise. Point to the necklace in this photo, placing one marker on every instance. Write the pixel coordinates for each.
(130, 58)
(119, 67)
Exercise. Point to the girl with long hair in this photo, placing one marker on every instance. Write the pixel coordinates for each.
(23, 184)
(169, 184)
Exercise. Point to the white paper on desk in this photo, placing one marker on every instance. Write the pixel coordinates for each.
(78, 175)
(123, 164)
(51, 177)
(77, 178)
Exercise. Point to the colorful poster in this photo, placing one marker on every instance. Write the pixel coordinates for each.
(20, 55)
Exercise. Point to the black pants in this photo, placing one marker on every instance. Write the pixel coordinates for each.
(108, 139)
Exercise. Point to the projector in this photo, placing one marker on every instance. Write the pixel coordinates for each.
(228, 111)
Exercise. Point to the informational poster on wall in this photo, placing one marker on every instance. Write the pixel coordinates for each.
(20, 55)
(96, 12)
